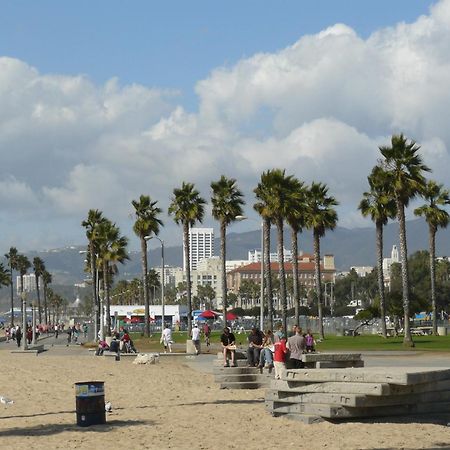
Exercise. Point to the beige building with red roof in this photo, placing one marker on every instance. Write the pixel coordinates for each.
(252, 272)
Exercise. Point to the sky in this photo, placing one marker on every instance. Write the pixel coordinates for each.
(103, 101)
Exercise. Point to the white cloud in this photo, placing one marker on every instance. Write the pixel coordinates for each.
(320, 108)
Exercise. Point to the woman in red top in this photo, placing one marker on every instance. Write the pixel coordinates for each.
(279, 357)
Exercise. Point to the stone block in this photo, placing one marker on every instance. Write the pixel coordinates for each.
(314, 357)
(395, 375)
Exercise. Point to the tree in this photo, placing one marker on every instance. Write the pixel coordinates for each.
(320, 217)
(187, 207)
(206, 294)
(46, 280)
(38, 268)
(112, 250)
(405, 170)
(11, 257)
(283, 191)
(380, 206)
(147, 224)
(296, 219)
(227, 201)
(23, 264)
(94, 220)
(436, 217)
(262, 194)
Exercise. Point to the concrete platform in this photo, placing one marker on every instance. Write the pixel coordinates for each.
(394, 375)
(32, 350)
(314, 357)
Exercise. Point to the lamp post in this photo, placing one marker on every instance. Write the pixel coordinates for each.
(147, 238)
(95, 289)
(330, 295)
(23, 295)
(261, 310)
(33, 320)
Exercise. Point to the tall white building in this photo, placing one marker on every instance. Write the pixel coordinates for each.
(255, 256)
(387, 263)
(29, 283)
(201, 242)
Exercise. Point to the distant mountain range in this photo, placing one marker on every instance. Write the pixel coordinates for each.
(351, 247)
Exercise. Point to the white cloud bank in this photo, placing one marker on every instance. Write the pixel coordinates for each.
(320, 108)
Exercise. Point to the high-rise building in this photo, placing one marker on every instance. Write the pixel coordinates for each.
(29, 283)
(201, 242)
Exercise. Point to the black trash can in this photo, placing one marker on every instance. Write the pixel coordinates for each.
(90, 403)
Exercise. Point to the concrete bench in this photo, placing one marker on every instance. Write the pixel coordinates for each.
(332, 360)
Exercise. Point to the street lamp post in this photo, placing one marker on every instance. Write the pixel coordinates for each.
(331, 300)
(23, 295)
(95, 289)
(147, 238)
(261, 301)
(33, 315)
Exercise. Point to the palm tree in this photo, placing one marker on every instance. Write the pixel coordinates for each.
(5, 279)
(405, 170)
(380, 206)
(320, 217)
(436, 196)
(38, 267)
(227, 201)
(296, 219)
(112, 250)
(282, 192)
(92, 223)
(46, 280)
(146, 225)
(187, 207)
(11, 256)
(262, 194)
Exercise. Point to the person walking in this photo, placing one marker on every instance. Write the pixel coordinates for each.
(18, 336)
(195, 336)
(166, 339)
(207, 333)
(296, 346)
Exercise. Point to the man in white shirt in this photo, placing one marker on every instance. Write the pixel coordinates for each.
(195, 336)
(166, 339)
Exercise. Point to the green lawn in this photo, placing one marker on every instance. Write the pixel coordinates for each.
(331, 343)
(372, 342)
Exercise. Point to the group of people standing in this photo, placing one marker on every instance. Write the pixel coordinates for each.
(271, 350)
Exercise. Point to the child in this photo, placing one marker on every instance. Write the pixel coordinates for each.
(279, 357)
(309, 342)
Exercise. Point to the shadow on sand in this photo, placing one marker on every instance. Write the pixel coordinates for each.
(50, 429)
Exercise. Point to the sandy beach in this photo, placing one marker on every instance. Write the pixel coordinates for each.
(169, 405)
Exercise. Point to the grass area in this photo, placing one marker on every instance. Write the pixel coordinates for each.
(377, 343)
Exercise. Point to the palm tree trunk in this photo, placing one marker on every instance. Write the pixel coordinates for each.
(188, 274)
(94, 285)
(318, 281)
(432, 238)
(379, 237)
(267, 275)
(107, 298)
(282, 273)
(407, 340)
(38, 298)
(21, 299)
(296, 292)
(144, 265)
(223, 251)
(12, 294)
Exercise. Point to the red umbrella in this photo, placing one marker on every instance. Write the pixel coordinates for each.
(136, 320)
(231, 316)
(208, 314)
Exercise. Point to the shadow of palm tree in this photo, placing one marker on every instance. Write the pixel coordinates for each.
(50, 429)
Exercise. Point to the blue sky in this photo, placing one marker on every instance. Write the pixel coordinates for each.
(173, 44)
(101, 101)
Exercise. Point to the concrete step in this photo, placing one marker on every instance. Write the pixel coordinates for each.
(245, 385)
(303, 418)
(314, 357)
(227, 378)
(235, 370)
(395, 375)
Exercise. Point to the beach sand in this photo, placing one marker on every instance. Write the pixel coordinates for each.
(168, 405)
